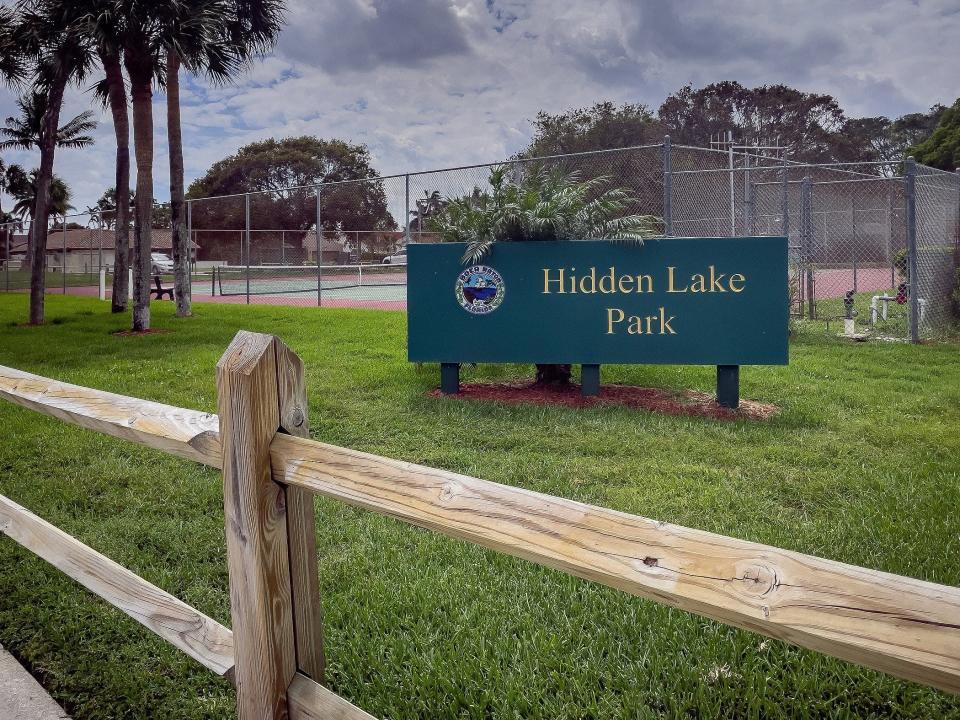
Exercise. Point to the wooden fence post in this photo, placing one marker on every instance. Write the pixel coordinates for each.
(301, 524)
(258, 549)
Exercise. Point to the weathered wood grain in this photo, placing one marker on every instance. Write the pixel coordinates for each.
(185, 433)
(256, 528)
(311, 701)
(203, 639)
(899, 625)
(301, 524)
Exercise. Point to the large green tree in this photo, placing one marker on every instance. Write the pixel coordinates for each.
(942, 149)
(803, 122)
(284, 175)
(600, 127)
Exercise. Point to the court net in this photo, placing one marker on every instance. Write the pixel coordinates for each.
(289, 279)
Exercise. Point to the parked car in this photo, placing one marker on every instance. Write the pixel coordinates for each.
(398, 258)
(160, 264)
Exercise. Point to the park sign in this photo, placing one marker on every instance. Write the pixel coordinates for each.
(691, 301)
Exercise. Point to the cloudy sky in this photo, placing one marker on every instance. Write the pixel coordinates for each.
(432, 83)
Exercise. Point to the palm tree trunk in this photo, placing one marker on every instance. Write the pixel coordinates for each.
(554, 375)
(117, 94)
(181, 243)
(41, 211)
(142, 98)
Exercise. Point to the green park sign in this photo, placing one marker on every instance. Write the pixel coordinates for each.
(699, 301)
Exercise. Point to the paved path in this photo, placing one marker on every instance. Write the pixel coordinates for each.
(21, 697)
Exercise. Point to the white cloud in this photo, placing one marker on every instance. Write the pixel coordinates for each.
(429, 83)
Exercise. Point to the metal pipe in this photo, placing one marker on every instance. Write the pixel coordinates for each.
(246, 212)
(806, 231)
(319, 253)
(63, 260)
(406, 224)
(733, 202)
(910, 191)
(667, 187)
(191, 255)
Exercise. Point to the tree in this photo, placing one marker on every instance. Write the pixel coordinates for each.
(105, 24)
(540, 204)
(13, 63)
(238, 31)
(25, 190)
(600, 127)
(271, 168)
(942, 149)
(58, 55)
(23, 133)
(805, 123)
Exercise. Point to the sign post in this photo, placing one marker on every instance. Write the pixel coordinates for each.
(689, 301)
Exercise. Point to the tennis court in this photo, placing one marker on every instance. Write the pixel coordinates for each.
(382, 286)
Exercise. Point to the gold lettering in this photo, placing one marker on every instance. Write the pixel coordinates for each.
(670, 287)
(573, 281)
(665, 328)
(628, 280)
(737, 277)
(612, 287)
(699, 283)
(611, 321)
(641, 279)
(715, 279)
(592, 277)
(547, 281)
(636, 325)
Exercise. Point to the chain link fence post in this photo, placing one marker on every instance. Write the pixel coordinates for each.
(667, 187)
(853, 244)
(785, 198)
(910, 192)
(246, 238)
(406, 205)
(63, 259)
(6, 254)
(806, 232)
(319, 253)
(191, 253)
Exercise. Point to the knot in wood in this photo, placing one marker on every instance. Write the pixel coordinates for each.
(757, 579)
(298, 417)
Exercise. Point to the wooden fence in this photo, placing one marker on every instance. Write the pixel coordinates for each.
(271, 470)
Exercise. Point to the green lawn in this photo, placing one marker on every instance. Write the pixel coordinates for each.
(862, 466)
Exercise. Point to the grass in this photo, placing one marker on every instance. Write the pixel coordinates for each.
(862, 465)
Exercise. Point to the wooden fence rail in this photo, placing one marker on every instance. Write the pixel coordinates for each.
(271, 470)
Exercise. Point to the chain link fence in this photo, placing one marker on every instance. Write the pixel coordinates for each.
(876, 239)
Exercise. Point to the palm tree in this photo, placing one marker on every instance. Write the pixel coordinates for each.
(13, 66)
(25, 194)
(59, 55)
(104, 23)
(223, 37)
(23, 133)
(541, 205)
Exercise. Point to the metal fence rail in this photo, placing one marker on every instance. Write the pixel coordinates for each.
(851, 226)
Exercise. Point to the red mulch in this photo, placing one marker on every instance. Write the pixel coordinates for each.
(687, 402)
(138, 333)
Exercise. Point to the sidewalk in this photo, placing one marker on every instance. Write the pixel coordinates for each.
(21, 697)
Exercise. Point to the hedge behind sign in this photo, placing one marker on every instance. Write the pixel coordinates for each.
(698, 301)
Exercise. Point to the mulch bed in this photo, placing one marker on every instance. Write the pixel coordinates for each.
(138, 333)
(688, 402)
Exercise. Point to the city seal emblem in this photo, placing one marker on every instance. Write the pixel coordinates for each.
(479, 290)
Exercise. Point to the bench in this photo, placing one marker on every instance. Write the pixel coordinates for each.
(160, 290)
